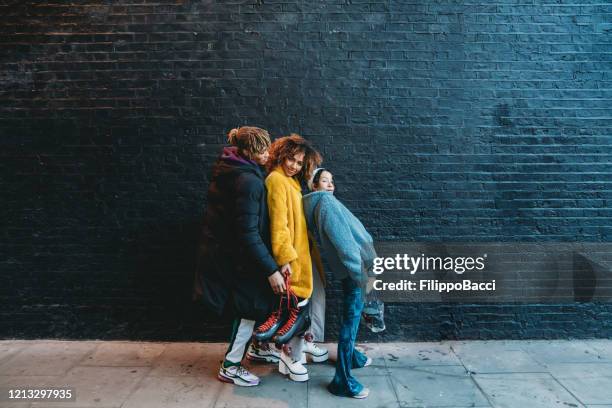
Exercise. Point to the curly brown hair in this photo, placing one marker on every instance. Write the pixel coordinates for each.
(288, 146)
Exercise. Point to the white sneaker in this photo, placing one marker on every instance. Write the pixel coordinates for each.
(263, 352)
(362, 394)
(237, 375)
(317, 354)
(295, 369)
(368, 362)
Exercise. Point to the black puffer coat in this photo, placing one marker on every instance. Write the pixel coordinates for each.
(234, 258)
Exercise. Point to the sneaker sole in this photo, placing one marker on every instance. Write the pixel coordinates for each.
(362, 395)
(236, 381)
(318, 359)
(283, 369)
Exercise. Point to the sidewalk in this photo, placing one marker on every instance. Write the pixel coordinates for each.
(523, 374)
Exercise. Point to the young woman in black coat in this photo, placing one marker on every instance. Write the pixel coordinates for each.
(235, 267)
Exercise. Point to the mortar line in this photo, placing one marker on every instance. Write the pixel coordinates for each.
(489, 401)
(390, 381)
(566, 389)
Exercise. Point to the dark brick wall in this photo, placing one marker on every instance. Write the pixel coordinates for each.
(442, 120)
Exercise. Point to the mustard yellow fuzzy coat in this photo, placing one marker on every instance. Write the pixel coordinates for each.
(288, 230)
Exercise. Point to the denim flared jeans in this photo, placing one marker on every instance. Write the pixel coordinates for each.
(344, 383)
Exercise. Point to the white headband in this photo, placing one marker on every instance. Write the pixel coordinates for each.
(314, 174)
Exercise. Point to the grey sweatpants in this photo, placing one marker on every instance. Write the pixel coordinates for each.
(317, 306)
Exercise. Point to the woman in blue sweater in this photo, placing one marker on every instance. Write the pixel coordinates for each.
(349, 251)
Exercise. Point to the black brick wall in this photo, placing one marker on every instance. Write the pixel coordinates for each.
(442, 120)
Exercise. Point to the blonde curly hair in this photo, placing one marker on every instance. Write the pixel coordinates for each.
(249, 140)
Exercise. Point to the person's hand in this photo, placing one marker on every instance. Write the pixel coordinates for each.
(286, 270)
(277, 283)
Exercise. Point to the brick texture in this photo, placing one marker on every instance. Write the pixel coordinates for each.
(442, 120)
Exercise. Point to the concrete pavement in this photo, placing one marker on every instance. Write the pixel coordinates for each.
(525, 374)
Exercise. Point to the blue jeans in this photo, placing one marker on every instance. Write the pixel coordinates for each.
(344, 383)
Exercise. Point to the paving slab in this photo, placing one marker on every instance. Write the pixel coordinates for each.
(561, 351)
(495, 357)
(188, 359)
(602, 347)
(418, 354)
(328, 369)
(175, 392)
(10, 348)
(22, 382)
(98, 387)
(382, 394)
(374, 350)
(518, 390)
(46, 358)
(274, 391)
(590, 383)
(126, 354)
(497, 344)
(436, 386)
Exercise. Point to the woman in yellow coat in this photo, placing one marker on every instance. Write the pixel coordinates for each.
(292, 160)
